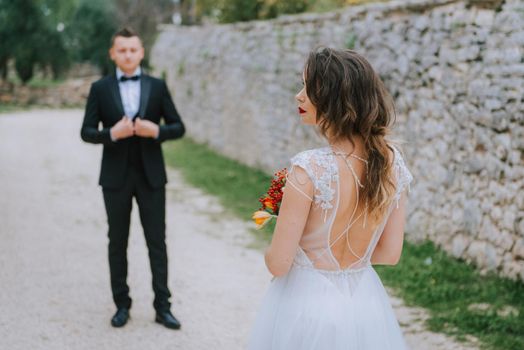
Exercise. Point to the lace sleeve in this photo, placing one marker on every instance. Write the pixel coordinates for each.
(300, 174)
(321, 171)
(402, 174)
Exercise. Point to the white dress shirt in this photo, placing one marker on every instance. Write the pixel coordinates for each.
(130, 93)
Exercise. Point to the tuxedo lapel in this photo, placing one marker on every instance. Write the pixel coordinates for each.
(145, 91)
(115, 91)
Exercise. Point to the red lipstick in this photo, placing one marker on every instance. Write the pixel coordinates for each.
(301, 111)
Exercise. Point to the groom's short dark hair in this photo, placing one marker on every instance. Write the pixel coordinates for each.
(126, 32)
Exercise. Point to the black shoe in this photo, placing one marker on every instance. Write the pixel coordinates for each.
(120, 318)
(167, 319)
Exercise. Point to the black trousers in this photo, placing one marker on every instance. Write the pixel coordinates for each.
(151, 206)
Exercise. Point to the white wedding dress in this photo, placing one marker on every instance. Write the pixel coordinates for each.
(318, 304)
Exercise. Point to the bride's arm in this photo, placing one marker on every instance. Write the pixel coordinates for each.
(291, 221)
(389, 246)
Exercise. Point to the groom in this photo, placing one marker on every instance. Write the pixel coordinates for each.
(130, 105)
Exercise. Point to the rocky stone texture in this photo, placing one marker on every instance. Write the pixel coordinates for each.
(71, 93)
(457, 75)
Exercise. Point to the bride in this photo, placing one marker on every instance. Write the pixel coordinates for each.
(343, 210)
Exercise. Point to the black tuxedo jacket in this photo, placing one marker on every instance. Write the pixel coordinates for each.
(104, 105)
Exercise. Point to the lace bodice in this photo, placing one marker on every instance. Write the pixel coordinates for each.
(323, 171)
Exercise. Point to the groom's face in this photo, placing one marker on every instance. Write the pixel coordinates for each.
(127, 53)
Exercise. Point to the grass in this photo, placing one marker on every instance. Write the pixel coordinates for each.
(9, 107)
(459, 300)
(37, 81)
(44, 82)
(6, 108)
(237, 186)
(331, 5)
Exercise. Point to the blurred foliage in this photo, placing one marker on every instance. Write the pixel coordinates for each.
(240, 10)
(229, 11)
(89, 32)
(48, 35)
(28, 37)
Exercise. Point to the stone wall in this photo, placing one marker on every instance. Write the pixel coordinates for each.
(70, 93)
(456, 71)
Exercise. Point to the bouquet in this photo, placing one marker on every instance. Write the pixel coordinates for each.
(271, 200)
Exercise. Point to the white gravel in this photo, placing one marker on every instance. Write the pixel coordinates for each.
(54, 274)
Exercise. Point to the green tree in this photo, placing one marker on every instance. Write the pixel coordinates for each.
(29, 38)
(25, 30)
(54, 55)
(244, 10)
(240, 10)
(90, 32)
(273, 8)
(5, 37)
(58, 15)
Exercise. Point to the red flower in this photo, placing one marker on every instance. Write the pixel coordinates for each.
(272, 199)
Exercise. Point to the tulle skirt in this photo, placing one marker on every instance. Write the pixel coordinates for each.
(312, 309)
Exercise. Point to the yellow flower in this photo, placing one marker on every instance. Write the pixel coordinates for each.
(261, 218)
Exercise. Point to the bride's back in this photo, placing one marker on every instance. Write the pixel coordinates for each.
(343, 208)
(341, 199)
(339, 231)
(351, 232)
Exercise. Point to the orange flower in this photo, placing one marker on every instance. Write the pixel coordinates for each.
(268, 203)
(261, 218)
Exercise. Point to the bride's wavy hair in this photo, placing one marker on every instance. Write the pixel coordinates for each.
(351, 99)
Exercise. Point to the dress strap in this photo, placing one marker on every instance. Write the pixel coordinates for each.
(359, 158)
(352, 219)
(298, 189)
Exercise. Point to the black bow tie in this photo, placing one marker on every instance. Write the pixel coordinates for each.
(123, 78)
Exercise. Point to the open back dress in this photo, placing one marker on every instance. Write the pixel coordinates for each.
(332, 298)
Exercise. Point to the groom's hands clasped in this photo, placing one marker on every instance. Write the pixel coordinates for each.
(125, 128)
(146, 128)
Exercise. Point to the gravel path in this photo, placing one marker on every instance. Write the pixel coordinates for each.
(54, 274)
